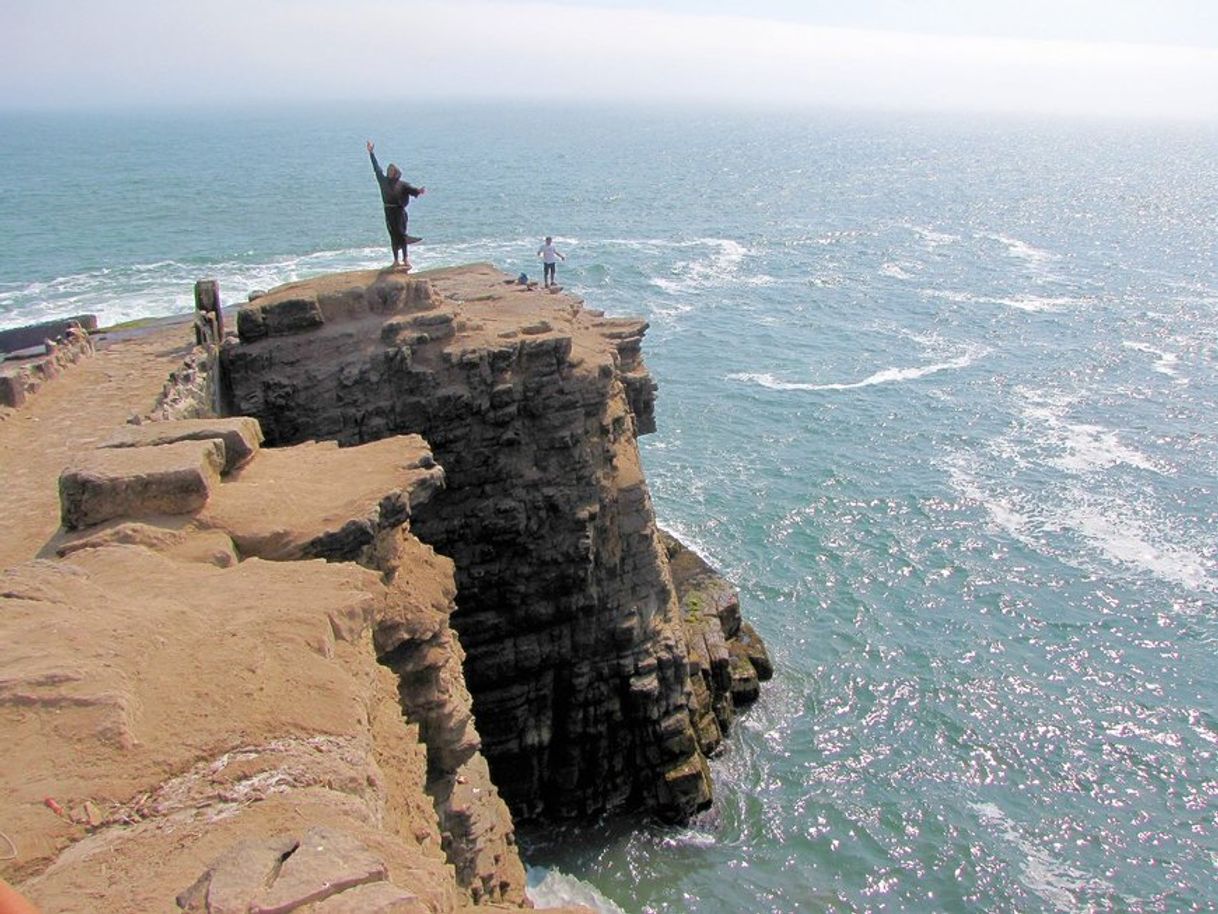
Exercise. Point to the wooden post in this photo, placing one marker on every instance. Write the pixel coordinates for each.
(207, 299)
(209, 331)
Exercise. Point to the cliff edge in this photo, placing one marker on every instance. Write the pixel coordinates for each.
(315, 676)
(592, 688)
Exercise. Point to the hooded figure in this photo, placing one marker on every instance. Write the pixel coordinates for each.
(395, 195)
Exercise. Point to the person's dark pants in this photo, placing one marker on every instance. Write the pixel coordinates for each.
(548, 272)
(396, 221)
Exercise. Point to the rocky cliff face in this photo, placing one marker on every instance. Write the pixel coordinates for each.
(594, 683)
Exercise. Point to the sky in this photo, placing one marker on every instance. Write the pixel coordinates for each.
(1105, 58)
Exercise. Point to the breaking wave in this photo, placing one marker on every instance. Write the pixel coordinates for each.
(886, 376)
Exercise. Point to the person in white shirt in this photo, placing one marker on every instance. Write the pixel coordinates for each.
(549, 257)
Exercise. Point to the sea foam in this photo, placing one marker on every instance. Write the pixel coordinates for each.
(885, 376)
(550, 888)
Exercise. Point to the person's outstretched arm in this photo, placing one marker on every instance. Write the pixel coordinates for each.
(376, 166)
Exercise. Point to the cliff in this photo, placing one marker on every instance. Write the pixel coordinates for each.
(239, 677)
(593, 690)
(192, 696)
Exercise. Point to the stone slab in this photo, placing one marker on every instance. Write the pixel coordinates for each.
(138, 482)
(318, 500)
(325, 863)
(242, 436)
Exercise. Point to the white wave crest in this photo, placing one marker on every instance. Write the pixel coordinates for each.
(1021, 250)
(1004, 511)
(1128, 541)
(886, 376)
(1079, 518)
(720, 266)
(1082, 447)
(1165, 362)
(1030, 303)
(549, 888)
(1055, 881)
(689, 837)
(933, 238)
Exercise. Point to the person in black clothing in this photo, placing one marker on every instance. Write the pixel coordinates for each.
(395, 194)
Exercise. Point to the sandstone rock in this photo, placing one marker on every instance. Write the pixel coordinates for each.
(241, 436)
(323, 870)
(210, 546)
(289, 314)
(730, 656)
(754, 649)
(189, 391)
(137, 482)
(577, 656)
(21, 378)
(112, 663)
(232, 882)
(745, 687)
(286, 505)
(376, 898)
(324, 863)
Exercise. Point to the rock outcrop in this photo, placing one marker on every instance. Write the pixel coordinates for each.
(21, 378)
(579, 655)
(239, 678)
(252, 705)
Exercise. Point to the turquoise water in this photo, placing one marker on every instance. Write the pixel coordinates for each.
(938, 395)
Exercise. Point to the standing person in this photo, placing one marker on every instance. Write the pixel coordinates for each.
(395, 195)
(549, 257)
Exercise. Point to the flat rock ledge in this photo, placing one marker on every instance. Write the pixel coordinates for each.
(104, 484)
(241, 435)
(254, 704)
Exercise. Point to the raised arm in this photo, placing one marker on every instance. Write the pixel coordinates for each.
(376, 166)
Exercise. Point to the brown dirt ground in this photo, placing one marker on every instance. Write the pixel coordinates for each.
(74, 411)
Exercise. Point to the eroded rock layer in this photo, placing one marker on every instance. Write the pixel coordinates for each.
(193, 704)
(578, 656)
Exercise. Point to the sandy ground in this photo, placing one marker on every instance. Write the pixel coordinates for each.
(74, 411)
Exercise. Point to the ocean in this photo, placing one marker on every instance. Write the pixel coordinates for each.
(938, 394)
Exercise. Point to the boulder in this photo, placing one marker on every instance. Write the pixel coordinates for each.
(242, 436)
(138, 482)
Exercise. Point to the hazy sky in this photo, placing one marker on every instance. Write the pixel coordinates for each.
(1103, 57)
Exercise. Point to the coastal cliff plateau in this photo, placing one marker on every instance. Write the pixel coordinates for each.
(193, 702)
(253, 679)
(596, 685)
